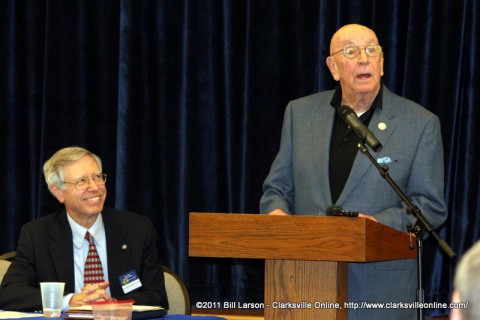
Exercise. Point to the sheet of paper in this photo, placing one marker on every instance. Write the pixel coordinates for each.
(135, 308)
(18, 315)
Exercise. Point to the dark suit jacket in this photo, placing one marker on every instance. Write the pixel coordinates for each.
(45, 253)
(298, 183)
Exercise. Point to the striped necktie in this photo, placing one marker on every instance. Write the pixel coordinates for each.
(93, 272)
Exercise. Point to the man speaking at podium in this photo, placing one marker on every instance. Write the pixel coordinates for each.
(318, 164)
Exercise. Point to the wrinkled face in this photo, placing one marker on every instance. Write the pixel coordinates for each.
(86, 203)
(360, 75)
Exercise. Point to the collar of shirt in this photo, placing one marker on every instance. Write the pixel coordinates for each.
(78, 232)
(337, 99)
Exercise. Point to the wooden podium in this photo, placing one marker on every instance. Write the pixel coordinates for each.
(306, 257)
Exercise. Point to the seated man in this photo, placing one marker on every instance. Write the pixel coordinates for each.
(467, 286)
(55, 248)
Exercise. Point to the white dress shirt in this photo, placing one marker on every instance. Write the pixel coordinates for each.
(80, 252)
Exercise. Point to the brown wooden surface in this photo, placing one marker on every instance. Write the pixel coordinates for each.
(295, 238)
(320, 297)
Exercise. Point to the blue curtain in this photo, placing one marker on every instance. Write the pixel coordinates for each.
(184, 100)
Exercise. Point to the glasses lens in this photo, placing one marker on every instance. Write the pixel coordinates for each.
(100, 178)
(351, 52)
(82, 183)
(373, 51)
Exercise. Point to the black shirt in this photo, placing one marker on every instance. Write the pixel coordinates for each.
(344, 144)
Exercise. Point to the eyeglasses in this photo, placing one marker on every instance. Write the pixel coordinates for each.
(353, 52)
(82, 183)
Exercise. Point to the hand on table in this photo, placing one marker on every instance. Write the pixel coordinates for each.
(90, 293)
(277, 212)
(363, 215)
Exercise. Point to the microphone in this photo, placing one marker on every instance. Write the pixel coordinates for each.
(335, 210)
(351, 119)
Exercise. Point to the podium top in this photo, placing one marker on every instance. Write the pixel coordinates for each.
(256, 236)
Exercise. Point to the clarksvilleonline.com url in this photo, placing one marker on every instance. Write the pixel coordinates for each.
(405, 305)
(366, 305)
(330, 305)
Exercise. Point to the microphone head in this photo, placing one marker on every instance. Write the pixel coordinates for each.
(343, 111)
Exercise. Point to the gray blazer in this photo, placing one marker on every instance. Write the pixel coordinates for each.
(298, 183)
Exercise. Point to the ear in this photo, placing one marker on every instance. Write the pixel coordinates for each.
(57, 193)
(381, 65)
(332, 66)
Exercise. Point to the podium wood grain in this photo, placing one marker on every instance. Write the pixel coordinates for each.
(315, 298)
(256, 236)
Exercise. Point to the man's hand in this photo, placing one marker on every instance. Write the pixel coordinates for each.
(363, 215)
(277, 212)
(91, 292)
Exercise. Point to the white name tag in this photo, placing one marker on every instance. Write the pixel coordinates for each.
(129, 281)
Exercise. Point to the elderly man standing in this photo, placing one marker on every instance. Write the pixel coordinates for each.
(319, 165)
(86, 245)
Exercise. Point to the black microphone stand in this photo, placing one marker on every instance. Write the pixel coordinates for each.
(419, 229)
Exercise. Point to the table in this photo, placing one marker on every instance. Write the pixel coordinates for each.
(167, 317)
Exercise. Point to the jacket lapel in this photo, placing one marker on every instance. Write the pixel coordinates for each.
(321, 142)
(117, 248)
(382, 126)
(61, 250)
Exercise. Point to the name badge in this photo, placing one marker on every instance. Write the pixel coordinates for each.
(129, 281)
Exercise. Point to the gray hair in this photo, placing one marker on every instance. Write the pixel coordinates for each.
(467, 282)
(53, 167)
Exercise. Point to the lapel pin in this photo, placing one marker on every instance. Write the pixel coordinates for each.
(382, 126)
